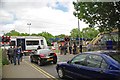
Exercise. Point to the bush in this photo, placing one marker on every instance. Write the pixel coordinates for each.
(5, 61)
(4, 57)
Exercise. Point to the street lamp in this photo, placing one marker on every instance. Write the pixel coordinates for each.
(29, 27)
(80, 41)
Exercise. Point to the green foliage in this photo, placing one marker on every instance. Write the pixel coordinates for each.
(60, 36)
(74, 33)
(88, 33)
(47, 36)
(13, 33)
(4, 57)
(105, 14)
(5, 61)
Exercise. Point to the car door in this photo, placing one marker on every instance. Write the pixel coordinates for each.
(96, 67)
(73, 68)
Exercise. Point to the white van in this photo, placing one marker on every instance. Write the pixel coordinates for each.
(28, 43)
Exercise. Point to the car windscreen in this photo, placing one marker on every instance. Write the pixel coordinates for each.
(116, 57)
(44, 51)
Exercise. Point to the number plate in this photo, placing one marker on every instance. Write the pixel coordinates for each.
(50, 59)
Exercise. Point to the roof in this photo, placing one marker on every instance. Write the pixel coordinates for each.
(28, 37)
(102, 52)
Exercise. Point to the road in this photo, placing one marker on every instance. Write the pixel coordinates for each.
(51, 68)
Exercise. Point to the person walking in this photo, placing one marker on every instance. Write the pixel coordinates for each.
(18, 54)
(70, 48)
(38, 47)
(65, 48)
(10, 54)
(74, 48)
(15, 55)
(61, 49)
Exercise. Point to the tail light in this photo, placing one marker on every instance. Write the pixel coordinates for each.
(55, 54)
(42, 55)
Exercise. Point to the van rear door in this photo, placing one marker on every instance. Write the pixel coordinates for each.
(21, 42)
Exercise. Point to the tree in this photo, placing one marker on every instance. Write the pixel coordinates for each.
(60, 36)
(12, 33)
(88, 33)
(47, 36)
(74, 33)
(106, 15)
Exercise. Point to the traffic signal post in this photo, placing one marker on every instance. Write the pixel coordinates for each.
(5, 40)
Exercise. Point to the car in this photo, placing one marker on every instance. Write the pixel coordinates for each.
(94, 65)
(42, 56)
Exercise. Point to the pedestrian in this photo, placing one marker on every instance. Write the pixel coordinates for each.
(65, 48)
(80, 48)
(10, 54)
(15, 55)
(21, 54)
(74, 48)
(18, 54)
(38, 47)
(61, 49)
(70, 48)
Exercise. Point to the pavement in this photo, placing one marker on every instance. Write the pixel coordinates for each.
(20, 71)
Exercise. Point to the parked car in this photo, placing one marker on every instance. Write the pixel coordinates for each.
(97, 65)
(42, 56)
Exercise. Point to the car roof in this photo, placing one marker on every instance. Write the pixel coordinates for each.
(103, 52)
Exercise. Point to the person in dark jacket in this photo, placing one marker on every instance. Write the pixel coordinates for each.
(10, 54)
(15, 55)
(74, 48)
(61, 49)
(18, 54)
(65, 48)
(38, 47)
(70, 48)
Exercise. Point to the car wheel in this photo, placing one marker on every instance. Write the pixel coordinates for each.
(55, 61)
(31, 60)
(61, 73)
(39, 62)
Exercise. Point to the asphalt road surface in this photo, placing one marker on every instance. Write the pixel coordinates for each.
(51, 68)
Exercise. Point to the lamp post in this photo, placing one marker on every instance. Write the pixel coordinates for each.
(80, 41)
(29, 27)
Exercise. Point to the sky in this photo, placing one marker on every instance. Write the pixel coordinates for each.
(52, 16)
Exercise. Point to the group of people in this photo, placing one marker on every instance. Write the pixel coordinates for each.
(72, 48)
(15, 54)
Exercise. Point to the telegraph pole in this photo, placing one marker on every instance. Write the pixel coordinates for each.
(80, 41)
(29, 24)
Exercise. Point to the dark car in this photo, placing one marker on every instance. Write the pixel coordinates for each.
(42, 56)
(98, 65)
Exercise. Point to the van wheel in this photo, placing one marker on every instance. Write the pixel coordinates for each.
(61, 73)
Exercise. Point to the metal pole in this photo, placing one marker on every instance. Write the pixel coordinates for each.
(80, 41)
(29, 27)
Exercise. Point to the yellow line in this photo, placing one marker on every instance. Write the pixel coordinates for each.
(42, 71)
(37, 69)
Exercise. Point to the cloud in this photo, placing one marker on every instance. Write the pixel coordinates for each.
(44, 15)
(6, 17)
